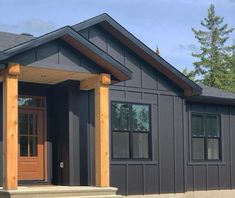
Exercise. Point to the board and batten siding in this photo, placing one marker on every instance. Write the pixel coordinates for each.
(55, 55)
(171, 169)
(213, 175)
(165, 172)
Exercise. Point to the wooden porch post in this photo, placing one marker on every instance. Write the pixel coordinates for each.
(101, 86)
(10, 126)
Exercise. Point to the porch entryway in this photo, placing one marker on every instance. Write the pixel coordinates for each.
(53, 60)
(24, 131)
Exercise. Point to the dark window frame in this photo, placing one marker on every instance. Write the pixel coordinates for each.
(206, 136)
(131, 132)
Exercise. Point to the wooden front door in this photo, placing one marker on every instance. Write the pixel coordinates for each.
(31, 144)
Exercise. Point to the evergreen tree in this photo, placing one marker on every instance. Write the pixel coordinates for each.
(231, 68)
(189, 73)
(212, 65)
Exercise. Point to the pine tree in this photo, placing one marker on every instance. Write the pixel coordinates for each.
(213, 67)
(231, 68)
(189, 73)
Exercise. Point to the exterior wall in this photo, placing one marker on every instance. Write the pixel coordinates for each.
(70, 119)
(210, 176)
(165, 172)
(170, 170)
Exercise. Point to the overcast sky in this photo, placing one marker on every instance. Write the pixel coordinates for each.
(166, 23)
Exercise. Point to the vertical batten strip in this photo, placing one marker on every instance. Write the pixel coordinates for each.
(10, 127)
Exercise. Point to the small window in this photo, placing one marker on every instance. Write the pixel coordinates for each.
(206, 138)
(130, 131)
(30, 101)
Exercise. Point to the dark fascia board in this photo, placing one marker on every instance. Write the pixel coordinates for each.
(210, 99)
(123, 72)
(195, 89)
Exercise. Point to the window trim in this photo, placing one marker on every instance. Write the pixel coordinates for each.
(206, 137)
(130, 132)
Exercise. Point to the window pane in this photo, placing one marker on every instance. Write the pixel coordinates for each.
(197, 125)
(140, 117)
(120, 116)
(120, 145)
(213, 149)
(212, 126)
(24, 146)
(33, 121)
(33, 143)
(23, 124)
(140, 145)
(30, 101)
(198, 148)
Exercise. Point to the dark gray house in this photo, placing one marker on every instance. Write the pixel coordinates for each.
(91, 105)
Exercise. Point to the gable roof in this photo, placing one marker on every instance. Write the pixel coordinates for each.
(124, 36)
(70, 36)
(8, 40)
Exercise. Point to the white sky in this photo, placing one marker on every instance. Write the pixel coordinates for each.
(166, 23)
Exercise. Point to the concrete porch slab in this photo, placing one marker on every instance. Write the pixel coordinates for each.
(60, 192)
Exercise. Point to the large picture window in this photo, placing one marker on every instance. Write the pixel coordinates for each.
(130, 131)
(206, 138)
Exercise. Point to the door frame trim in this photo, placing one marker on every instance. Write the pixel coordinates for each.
(44, 127)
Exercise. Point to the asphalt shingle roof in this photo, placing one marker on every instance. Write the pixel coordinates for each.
(215, 92)
(8, 40)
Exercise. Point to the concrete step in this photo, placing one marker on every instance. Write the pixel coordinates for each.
(60, 192)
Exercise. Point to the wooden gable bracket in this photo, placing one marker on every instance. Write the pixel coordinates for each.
(10, 126)
(101, 85)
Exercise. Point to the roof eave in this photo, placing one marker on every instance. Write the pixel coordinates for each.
(211, 99)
